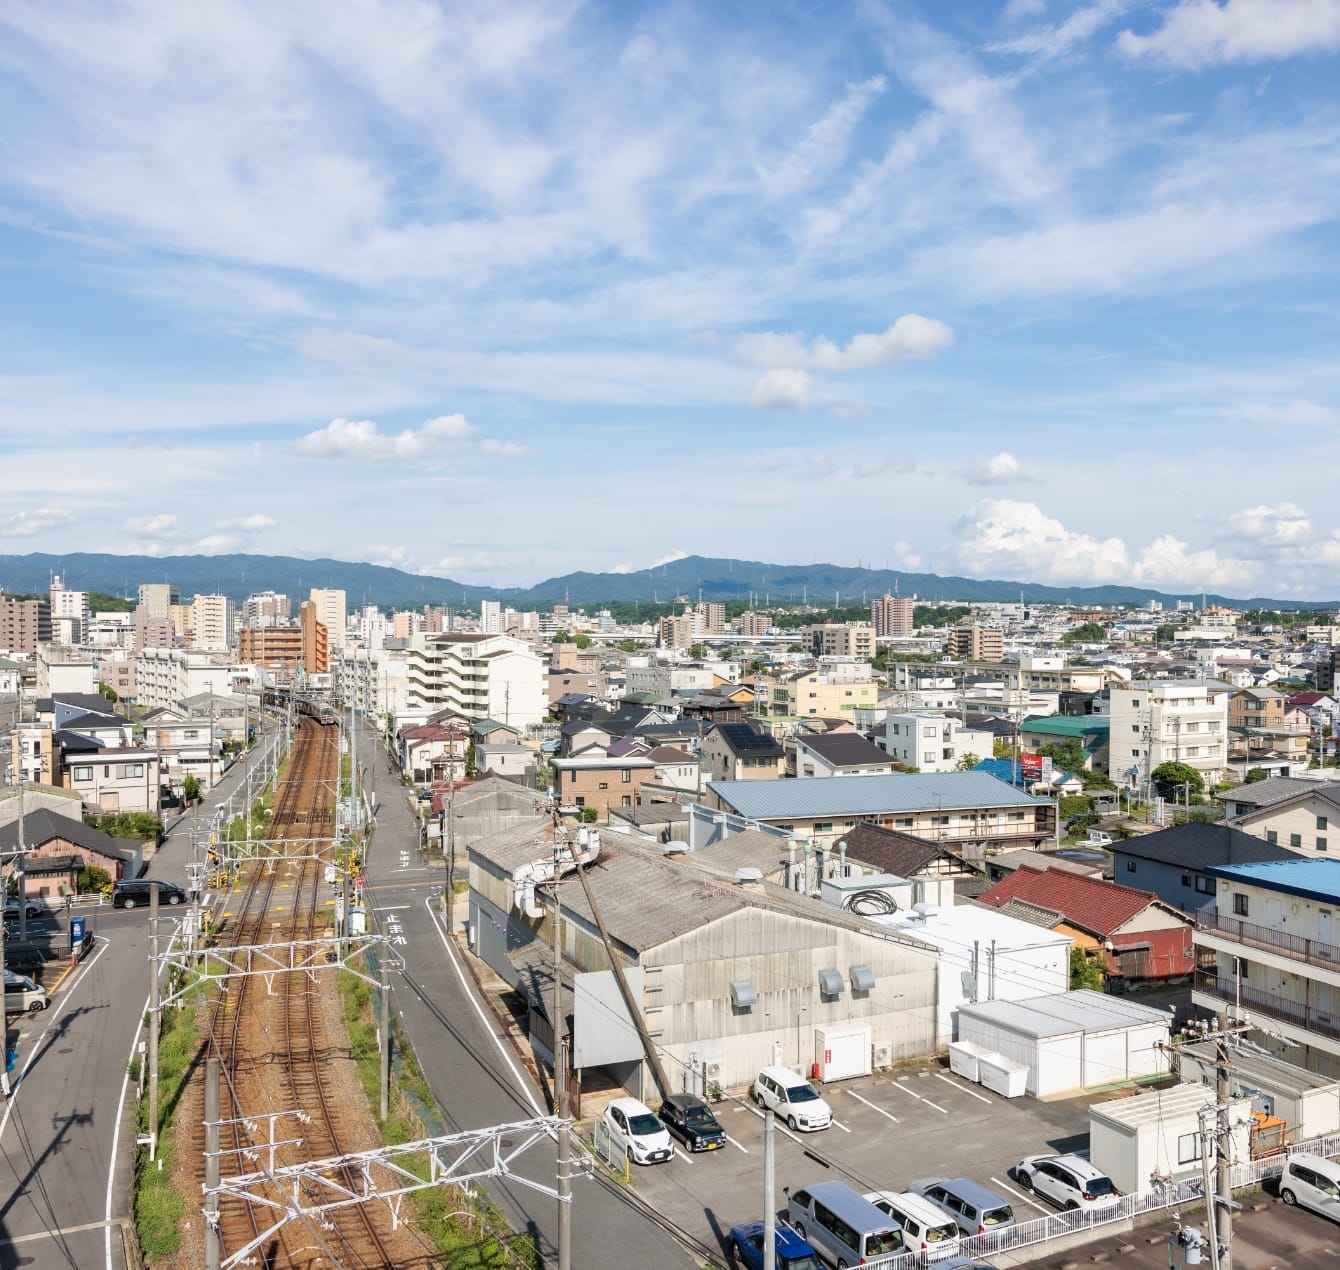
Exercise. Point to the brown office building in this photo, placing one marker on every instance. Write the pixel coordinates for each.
(288, 647)
(24, 624)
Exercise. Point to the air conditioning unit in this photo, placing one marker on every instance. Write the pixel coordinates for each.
(881, 1054)
(712, 1071)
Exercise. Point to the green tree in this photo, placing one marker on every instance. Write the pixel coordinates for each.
(968, 762)
(1068, 755)
(1084, 972)
(630, 645)
(190, 787)
(1002, 747)
(1256, 774)
(1165, 634)
(590, 815)
(1089, 633)
(697, 650)
(1170, 777)
(92, 878)
(582, 640)
(560, 637)
(109, 692)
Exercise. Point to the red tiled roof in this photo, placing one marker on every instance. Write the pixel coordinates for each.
(1092, 904)
(1305, 698)
(1169, 954)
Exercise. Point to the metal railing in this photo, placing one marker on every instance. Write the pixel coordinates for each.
(1269, 939)
(1280, 1008)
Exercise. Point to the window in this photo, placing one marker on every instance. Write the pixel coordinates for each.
(1321, 844)
(627, 775)
(1188, 1148)
(1272, 836)
(1240, 904)
(1130, 866)
(1206, 886)
(83, 773)
(1135, 727)
(626, 801)
(928, 756)
(106, 771)
(1321, 822)
(604, 785)
(1186, 879)
(823, 827)
(136, 769)
(1295, 839)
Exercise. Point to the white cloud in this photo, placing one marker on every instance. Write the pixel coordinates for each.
(1197, 33)
(161, 526)
(781, 389)
(248, 524)
(213, 545)
(1285, 524)
(908, 556)
(38, 521)
(1024, 9)
(825, 141)
(669, 558)
(363, 440)
(1052, 41)
(999, 469)
(911, 337)
(495, 449)
(1005, 538)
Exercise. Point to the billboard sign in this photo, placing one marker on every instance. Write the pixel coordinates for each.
(1030, 766)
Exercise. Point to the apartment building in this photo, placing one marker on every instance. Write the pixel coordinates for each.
(480, 676)
(976, 643)
(675, 631)
(166, 676)
(1275, 946)
(267, 608)
(829, 693)
(752, 624)
(933, 742)
(372, 680)
(156, 598)
(69, 613)
(842, 639)
(1163, 721)
(490, 617)
(212, 620)
(331, 612)
(891, 616)
(24, 624)
(288, 649)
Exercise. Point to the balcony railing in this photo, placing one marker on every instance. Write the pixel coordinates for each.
(1307, 1017)
(1269, 939)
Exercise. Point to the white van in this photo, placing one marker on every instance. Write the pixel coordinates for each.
(925, 1228)
(1312, 1181)
(792, 1097)
(22, 995)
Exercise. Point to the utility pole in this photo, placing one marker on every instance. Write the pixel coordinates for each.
(21, 868)
(153, 1023)
(1223, 1146)
(561, 1084)
(769, 1190)
(386, 1036)
(212, 1249)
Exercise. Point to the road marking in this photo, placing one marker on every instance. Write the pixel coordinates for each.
(778, 1125)
(873, 1106)
(919, 1098)
(732, 1141)
(972, 1093)
(682, 1156)
(1019, 1194)
(838, 1123)
(392, 908)
(479, 1009)
(10, 1241)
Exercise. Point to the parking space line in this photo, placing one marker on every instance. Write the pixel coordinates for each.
(732, 1141)
(840, 1125)
(1005, 1186)
(873, 1106)
(963, 1089)
(779, 1126)
(919, 1098)
(682, 1156)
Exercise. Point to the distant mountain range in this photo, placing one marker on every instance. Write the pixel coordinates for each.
(693, 576)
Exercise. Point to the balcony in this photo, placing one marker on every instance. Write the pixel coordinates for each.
(1268, 939)
(1283, 1010)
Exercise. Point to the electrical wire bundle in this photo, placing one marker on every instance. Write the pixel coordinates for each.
(871, 903)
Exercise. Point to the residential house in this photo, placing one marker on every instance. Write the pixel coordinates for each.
(508, 759)
(832, 692)
(57, 848)
(595, 778)
(1091, 732)
(1175, 863)
(903, 855)
(740, 752)
(1272, 934)
(434, 752)
(1301, 820)
(676, 768)
(1132, 932)
(933, 742)
(109, 780)
(839, 754)
(968, 811)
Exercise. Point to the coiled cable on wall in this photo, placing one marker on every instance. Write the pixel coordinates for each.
(871, 903)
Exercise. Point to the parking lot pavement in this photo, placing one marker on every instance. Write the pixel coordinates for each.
(889, 1130)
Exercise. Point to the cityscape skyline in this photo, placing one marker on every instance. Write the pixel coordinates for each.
(1025, 290)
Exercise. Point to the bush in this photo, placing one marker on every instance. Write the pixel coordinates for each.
(92, 878)
(590, 815)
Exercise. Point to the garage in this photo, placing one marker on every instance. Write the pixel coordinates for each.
(1071, 1041)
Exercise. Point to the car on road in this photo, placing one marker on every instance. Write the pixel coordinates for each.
(1069, 1181)
(633, 1127)
(792, 1097)
(1312, 1181)
(793, 1253)
(33, 907)
(134, 893)
(693, 1122)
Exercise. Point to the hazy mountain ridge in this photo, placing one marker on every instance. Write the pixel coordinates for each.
(692, 576)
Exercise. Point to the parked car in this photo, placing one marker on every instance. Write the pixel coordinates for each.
(791, 1097)
(23, 995)
(33, 907)
(843, 1228)
(1312, 1182)
(632, 1126)
(134, 893)
(1069, 1181)
(693, 1122)
(793, 1253)
(925, 1228)
(964, 1263)
(975, 1209)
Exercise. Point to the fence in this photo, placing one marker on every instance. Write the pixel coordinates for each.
(1172, 1195)
(613, 1153)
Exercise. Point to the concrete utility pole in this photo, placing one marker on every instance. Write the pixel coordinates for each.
(561, 1084)
(1223, 1181)
(153, 1022)
(385, 1036)
(21, 868)
(211, 1164)
(769, 1190)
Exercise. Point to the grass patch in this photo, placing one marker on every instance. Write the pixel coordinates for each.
(468, 1230)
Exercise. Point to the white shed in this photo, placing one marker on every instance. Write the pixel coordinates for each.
(1071, 1041)
(1159, 1133)
(1308, 1104)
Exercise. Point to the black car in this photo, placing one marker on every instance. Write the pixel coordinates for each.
(691, 1120)
(135, 894)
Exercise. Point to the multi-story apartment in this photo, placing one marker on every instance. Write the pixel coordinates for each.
(24, 624)
(167, 676)
(267, 608)
(69, 613)
(372, 626)
(891, 616)
(709, 618)
(372, 680)
(331, 613)
(830, 693)
(933, 742)
(1256, 708)
(480, 676)
(147, 631)
(405, 623)
(1275, 942)
(752, 624)
(490, 617)
(156, 598)
(676, 631)
(842, 639)
(976, 643)
(212, 622)
(1168, 721)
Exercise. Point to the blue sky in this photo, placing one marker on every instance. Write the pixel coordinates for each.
(1027, 289)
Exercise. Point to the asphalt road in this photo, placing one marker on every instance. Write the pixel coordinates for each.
(472, 1070)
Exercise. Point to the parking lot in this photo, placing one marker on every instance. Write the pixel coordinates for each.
(889, 1130)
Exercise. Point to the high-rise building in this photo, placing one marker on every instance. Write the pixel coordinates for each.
(157, 597)
(405, 623)
(24, 624)
(288, 648)
(330, 612)
(842, 639)
(267, 608)
(709, 618)
(976, 643)
(69, 613)
(892, 616)
(676, 631)
(490, 617)
(481, 676)
(752, 624)
(372, 627)
(212, 622)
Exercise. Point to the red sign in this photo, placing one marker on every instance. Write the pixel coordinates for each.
(1030, 767)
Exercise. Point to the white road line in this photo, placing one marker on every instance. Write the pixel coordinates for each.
(392, 908)
(732, 1141)
(873, 1106)
(778, 1125)
(116, 1138)
(838, 1124)
(479, 1009)
(963, 1089)
(919, 1098)
(1005, 1186)
(682, 1156)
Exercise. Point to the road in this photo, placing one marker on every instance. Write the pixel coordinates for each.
(475, 1076)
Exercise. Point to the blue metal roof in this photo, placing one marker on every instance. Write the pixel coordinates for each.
(1311, 879)
(785, 799)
